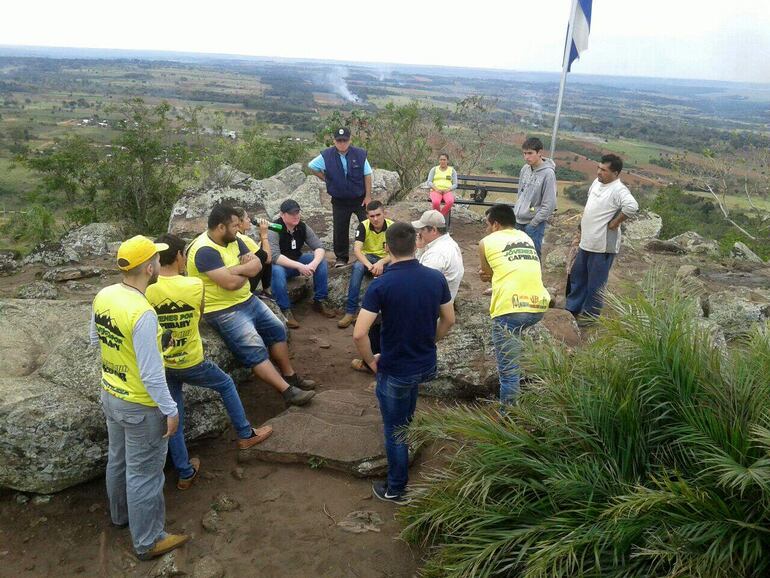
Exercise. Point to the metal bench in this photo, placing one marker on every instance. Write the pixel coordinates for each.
(483, 185)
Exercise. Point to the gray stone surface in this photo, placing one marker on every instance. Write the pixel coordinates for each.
(660, 246)
(208, 567)
(737, 310)
(692, 242)
(742, 251)
(341, 430)
(556, 258)
(645, 225)
(93, 239)
(51, 254)
(38, 290)
(688, 271)
(62, 274)
(9, 261)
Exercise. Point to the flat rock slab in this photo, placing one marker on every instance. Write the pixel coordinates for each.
(339, 429)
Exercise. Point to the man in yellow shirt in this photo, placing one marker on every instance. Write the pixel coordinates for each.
(251, 331)
(141, 415)
(509, 259)
(178, 301)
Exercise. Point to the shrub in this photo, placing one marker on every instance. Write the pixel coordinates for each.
(643, 454)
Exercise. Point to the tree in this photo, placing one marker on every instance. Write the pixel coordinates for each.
(69, 168)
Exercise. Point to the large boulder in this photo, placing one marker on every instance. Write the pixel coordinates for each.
(9, 261)
(38, 290)
(52, 430)
(692, 242)
(737, 310)
(385, 185)
(93, 240)
(742, 251)
(645, 225)
(51, 254)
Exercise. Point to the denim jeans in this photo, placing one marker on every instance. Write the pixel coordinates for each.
(248, 329)
(205, 374)
(134, 476)
(354, 285)
(535, 233)
(282, 274)
(506, 338)
(587, 278)
(398, 398)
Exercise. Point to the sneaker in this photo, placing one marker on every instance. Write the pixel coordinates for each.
(257, 437)
(291, 322)
(297, 381)
(170, 542)
(381, 492)
(323, 309)
(186, 483)
(340, 263)
(295, 396)
(346, 320)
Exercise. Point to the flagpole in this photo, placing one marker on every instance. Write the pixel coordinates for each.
(565, 66)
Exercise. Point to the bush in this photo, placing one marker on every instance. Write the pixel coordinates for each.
(643, 454)
(35, 226)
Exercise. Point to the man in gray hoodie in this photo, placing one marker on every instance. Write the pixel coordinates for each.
(537, 192)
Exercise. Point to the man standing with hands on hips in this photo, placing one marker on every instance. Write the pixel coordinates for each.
(141, 414)
(348, 177)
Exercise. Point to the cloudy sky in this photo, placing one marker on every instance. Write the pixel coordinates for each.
(707, 39)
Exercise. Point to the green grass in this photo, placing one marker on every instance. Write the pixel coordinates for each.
(636, 152)
(16, 181)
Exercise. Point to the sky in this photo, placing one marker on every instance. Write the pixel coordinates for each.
(704, 39)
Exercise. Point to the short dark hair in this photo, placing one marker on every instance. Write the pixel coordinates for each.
(444, 155)
(401, 239)
(240, 212)
(615, 162)
(532, 144)
(374, 205)
(175, 246)
(221, 215)
(501, 214)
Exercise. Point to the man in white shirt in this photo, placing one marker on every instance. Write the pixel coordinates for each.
(609, 204)
(437, 250)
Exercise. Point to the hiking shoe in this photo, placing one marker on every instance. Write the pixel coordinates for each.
(186, 483)
(340, 263)
(257, 437)
(164, 545)
(291, 323)
(295, 396)
(297, 381)
(346, 320)
(323, 309)
(381, 492)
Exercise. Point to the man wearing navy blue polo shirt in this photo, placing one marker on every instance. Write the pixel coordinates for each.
(348, 177)
(410, 298)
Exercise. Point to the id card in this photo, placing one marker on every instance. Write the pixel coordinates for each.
(294, 243)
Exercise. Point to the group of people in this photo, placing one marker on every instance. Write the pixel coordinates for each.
(147, 326)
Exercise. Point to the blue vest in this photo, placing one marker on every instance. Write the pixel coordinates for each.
(339, 185)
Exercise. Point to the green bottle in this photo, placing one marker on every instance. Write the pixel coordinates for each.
(275, 227)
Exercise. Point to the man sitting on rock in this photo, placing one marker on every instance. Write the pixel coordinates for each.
(411, 298)
(437, 250)
(141, 415)
(251, 331)
(261, 250)
(178, 301)
(371, 256)
(289, 261)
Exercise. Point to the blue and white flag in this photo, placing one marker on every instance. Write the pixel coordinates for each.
(580, 30)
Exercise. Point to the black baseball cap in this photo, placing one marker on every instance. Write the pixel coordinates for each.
(289, 206)
(342, 133)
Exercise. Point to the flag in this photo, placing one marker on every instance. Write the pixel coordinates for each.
(580, 30)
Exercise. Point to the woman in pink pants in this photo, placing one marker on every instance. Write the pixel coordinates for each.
(442, 181)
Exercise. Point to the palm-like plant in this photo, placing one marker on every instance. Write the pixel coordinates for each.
(645, 453)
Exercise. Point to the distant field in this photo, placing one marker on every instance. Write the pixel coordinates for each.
(15, 183)
(635, 152)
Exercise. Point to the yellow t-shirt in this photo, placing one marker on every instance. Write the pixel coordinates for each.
(517, 282)
(250, 243)
(374, 242)
(177, 301)
(442, 180)
(217, 298)
(116, 311)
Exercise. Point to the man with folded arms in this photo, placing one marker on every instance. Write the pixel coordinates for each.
(178, 302)
(141, 415)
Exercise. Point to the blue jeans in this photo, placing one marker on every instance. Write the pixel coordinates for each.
(506, 338)
(535, 233)
(205, 374)
(398, 398)
(587, 278)
(354, 285)
(248, 329)
(282, 274)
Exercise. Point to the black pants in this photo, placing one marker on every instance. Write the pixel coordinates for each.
(265, 275)
(341, 213)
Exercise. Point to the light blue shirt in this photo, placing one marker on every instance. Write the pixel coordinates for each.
(319, 165)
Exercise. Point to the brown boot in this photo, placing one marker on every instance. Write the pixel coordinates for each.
(321, 307)
(257, 437)
(186, 483)
(346, 320)
(164, 545)
(291, 322)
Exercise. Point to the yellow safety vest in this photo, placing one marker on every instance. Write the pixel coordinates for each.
(177, 301)
(442, 180)
(374, 242)
(517, 282)
(249, 242)
(116, 310)
(217, 298)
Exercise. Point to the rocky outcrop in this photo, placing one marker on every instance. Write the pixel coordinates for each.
(94, 240)
(741, 251)
(52, 430)
(51, 255)
(9, 261)
(692, 242)
(738, 310)
(645, 225)
(38, 290)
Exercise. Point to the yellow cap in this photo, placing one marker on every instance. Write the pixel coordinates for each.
(136, 251)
